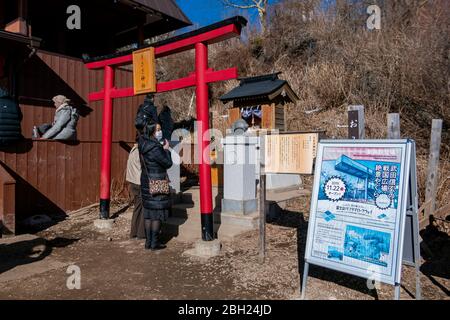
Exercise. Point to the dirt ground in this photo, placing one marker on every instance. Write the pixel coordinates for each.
(114, 267)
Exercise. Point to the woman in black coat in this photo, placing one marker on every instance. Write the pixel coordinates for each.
(155, 160)
(10, 118)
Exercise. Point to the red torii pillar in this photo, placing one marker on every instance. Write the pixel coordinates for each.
(198, 40)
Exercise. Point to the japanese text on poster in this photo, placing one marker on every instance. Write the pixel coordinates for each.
(356, 217)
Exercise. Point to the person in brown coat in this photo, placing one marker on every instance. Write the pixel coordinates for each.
(134, 179)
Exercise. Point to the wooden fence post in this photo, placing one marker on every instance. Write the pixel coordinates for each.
(433, 166)
(393, 121)
(262, 199)
(356, 122)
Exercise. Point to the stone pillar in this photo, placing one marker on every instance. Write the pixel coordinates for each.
(239, 193)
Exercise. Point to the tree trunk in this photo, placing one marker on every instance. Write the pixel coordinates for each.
(262, 19)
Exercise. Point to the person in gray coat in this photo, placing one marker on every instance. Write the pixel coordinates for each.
(65, 121)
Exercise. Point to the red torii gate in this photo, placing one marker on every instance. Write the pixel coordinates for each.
(198, 40)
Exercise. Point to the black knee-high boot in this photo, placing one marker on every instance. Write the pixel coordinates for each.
(148, 233)
(156, 228)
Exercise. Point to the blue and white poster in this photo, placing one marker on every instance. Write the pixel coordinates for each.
(356, 208)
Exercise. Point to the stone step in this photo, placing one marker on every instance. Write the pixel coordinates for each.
(286, 194)
(183, 210)
(178, 227)
(187, 210)
(225, 218)
(250, 221)
(189, 230)
(184, 223)
(230, 232)
(193, 196)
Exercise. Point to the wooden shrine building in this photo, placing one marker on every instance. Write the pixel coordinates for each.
(261, 101)
(40, 57)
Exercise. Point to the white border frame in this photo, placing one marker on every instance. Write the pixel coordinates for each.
(405, 168)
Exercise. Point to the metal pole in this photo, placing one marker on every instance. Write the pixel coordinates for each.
(206, 210)
(304, 280)
(105, 165)
(397, 291)
(415, 217)
(262, 215)
(418, 284)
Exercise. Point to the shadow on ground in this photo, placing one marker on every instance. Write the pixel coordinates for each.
(292, 219)
(29, 251)
(120, 211)
(437, 261)
(178, 216)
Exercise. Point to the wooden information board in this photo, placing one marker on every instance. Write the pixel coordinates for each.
(290, 153)
(144, 74)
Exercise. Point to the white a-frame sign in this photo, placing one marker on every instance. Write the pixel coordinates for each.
(363, 218)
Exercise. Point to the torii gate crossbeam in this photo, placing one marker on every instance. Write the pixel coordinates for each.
(199, 41)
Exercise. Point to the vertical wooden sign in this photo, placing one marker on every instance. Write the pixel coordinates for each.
(144, 73)
(268, 116)
(356, 122)
(393, 120)
(234, 114)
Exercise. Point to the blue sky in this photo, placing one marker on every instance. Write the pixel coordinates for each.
(204, 12)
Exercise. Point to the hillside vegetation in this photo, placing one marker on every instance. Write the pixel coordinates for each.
(332, 60)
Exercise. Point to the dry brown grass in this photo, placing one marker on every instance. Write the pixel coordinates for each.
(332, 60)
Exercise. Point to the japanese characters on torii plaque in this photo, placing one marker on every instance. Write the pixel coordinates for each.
(290, 153)
(144, 74)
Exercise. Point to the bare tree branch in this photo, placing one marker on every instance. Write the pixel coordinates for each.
(260, 5)
(239, 6)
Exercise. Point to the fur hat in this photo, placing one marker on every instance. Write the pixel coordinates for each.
(61, 99)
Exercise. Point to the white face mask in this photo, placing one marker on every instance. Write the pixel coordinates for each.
(159, 135)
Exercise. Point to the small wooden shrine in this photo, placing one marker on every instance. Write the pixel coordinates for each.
(260, 101)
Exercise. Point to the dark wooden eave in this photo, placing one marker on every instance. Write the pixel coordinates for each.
(239, 21)
(167, 7)
(16, 38)
(260, 90)
(161, 17)
(105, 24)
